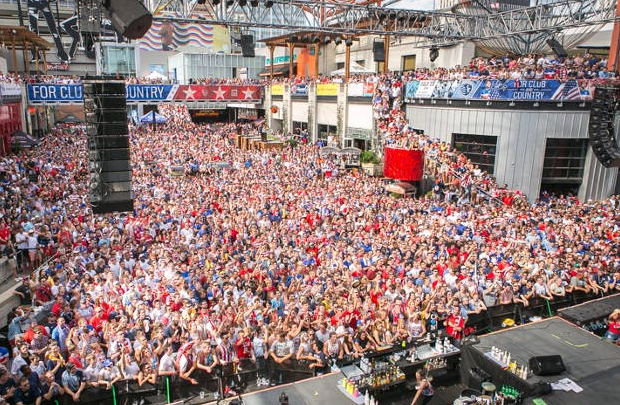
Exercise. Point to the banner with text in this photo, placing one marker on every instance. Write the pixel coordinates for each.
(501, 89)
(299, 89)
(72, 93)
(327, 89)
(277, 89)
(54, 93)
(361, 89)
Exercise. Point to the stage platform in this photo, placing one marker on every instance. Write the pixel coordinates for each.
(322, 390)
(591, 311)
(592, 363)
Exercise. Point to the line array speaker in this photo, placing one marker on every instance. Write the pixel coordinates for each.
(557, 48)
(601, 127)
(247, 46)
(378, 51)
(110, 184)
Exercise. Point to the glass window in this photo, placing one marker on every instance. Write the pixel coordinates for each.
(326, 130)
(480, 149)
(564, 160)
(119, 59)
(408, 62)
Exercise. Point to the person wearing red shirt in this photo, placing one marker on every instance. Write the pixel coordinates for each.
(243, 347)
(5, 237)
(97, 319)
(29, 334)
(455, 324)
(613, 332)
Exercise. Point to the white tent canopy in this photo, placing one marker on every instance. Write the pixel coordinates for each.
(354, 69)
(155, 75)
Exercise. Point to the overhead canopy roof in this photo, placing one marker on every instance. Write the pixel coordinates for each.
(22, 38)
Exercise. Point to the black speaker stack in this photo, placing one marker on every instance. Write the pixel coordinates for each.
(601, 127)
(247, 46)
(557, 48)
(105, 105)
(378, 51)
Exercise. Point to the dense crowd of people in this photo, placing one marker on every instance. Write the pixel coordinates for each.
(268, 260)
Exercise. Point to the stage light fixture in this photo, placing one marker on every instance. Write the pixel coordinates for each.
(392, 15)
(242, 3)
(315, 39)
(382, 15)
(229, 3)
(401, 16)
(254, 3)
(294, 39)
(348, 42)
(338, 40)
(434, 54)
(268, 3)
(215, 2)
(201, 1)
(327, 39)
(130, 18)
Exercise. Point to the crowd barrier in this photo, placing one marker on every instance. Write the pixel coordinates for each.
(493, 318)
(169, 389)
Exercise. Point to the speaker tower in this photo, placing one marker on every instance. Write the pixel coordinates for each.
(601, 127)
(105, 106)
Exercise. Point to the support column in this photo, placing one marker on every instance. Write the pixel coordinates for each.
(386, 45)
(44, 62)
(341, 114)
(268, 114)
(36, 59)
(271, 49)
(347, 62)
(614, 49)
(316, 59)
(287, 116)
(313, 126)
(291, 49)
(26, 63)
(14, 52)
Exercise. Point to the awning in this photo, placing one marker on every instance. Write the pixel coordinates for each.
(69, 119)
(401, 188)
(241, 105)
(278, 70)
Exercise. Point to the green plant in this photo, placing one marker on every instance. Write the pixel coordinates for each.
(292, 142)
(369, 157)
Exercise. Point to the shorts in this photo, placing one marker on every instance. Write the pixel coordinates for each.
(612, 337)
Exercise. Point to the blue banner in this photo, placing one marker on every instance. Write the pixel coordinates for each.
(149, 92)
(72, 93)
(518, 90)
(466, 89)
(43, 92)
(411, 89)
(501, 89)
(299, 89)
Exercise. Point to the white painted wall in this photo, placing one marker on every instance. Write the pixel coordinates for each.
(360, 115)
(325, 113)
(300, 111)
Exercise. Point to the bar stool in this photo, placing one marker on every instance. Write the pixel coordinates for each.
(488, 388)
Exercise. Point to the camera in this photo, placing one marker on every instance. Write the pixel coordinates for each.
(283, 399)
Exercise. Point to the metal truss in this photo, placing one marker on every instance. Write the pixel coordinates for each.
(355, 19)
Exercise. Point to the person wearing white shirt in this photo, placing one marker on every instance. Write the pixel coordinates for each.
(166, 363)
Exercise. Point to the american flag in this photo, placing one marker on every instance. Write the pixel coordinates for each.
(568, 91)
